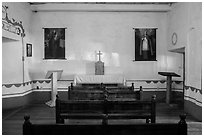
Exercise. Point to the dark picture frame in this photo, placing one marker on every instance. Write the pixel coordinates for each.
(29, 50)
(54, 43)
(145, 44)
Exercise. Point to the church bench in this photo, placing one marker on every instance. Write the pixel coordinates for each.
(85, 94)
(80, 109)
(179, 128)
(132, 109)
(122, 93)
(105, 109)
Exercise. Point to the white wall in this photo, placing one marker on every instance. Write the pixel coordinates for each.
(178, 23)
(110, 32)
(11, 62)
(186, 21)
(86, 34)
(13, 49)
(194, 49)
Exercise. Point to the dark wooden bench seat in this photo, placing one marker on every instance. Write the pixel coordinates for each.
(179, 128)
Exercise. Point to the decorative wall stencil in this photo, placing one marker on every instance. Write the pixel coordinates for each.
(54, 43)
(11, 25)
(154, 81)
(145, 44)
(29, 50)
(162, 81)
(26, 83)
(193, 89)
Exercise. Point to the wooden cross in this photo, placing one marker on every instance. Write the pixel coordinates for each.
(99, 53)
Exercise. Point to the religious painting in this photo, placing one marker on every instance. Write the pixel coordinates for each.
(29, 50)
(145, 44)
(54, 43)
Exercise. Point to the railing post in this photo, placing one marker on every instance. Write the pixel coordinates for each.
(102, 86)
(69, 92)
(183, 128)
(27, 125)
(72, 86)
(153, 109)
(57, 111)
(132, 87)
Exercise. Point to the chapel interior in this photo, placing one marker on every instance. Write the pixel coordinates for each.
(151, 49)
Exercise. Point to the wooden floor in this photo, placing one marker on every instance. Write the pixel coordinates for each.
(12, 120)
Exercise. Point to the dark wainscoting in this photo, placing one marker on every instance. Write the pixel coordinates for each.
(193, 109)
(31, 98)
(16, 102)
(39, 97)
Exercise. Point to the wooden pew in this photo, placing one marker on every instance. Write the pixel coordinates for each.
(127, 109)
(80, 109)
(179, 128)
(105, 109)
(123, 94)
(85, 92)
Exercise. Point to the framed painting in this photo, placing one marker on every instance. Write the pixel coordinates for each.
(54, 43)
(145, 44)
(29, 50)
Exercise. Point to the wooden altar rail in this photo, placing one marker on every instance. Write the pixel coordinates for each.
(102, 86)
(105, 109)
(179, 128)
(97, 92)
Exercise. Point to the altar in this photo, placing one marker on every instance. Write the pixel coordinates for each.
(99, 76)
(97, 79)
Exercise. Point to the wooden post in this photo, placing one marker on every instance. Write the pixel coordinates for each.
(27, 125)
(132, 87)
(57, 107)
(139, 94)
(57, 111)
(153, 109)
(183, 128)
(72, 86)
(69, 92)
(168, 90)
(102, 86)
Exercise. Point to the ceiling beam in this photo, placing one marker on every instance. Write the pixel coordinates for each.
(72, 7)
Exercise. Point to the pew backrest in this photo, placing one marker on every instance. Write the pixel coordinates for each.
(106, 109)
(179, 128)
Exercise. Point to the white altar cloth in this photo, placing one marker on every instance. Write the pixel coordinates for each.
(97, 79)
